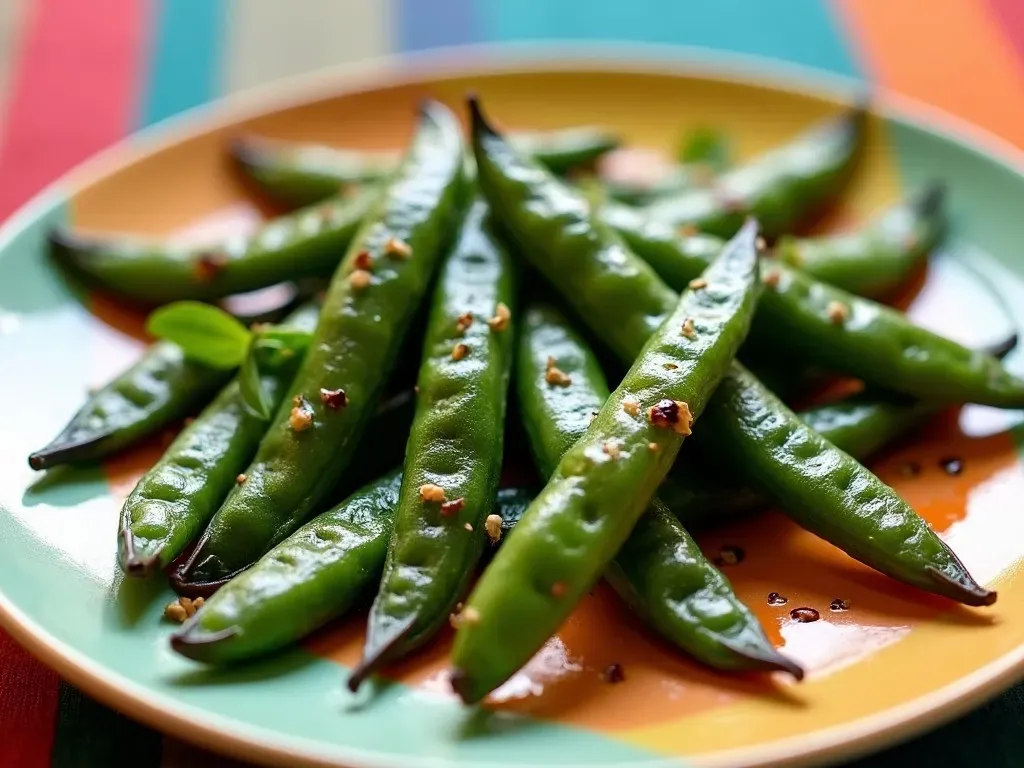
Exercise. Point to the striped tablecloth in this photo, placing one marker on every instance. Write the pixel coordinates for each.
(77, 75)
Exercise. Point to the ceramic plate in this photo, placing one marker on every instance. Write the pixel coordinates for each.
(894, 663)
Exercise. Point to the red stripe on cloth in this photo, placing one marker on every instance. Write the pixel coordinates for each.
(74, 90)
(1010, 14)
(28, 708)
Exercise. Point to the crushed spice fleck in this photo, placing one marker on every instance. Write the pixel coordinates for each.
(688, 230)
(698, 283)
(493, 527)
(463, 322)
(611, 447)
(301, 417)
(653, 447)
(459, 351)
(453, 507)
(631, 406)
(431, 492)
(688, 330)
(837, 312)
(360, 279)
(557, 377)
(241, 478)
(674, 414)
(183, 608)
(771, 279)
(363, 260)
(558, 589)
(468, 615)
(502, 316)
(468, 526)
(669, 366)
(397, 247)
(209, 264)
(334, 399)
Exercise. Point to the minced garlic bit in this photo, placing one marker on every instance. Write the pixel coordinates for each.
(653, 447)
(837, 312)
(468, 615)
(501, 318)
(464, 321)
(760, 243)
(209, 264)
(688, 329)
(431, 492)
(468, 526)
(360, 279)
(493, 527)
(301, 417)
(558, 589)
(363, 260)
(459, 351)
(771, 279)
(611, 447)
(399, 248)
(183, 608)
(674, 414)
(453, 507)
(698, 283)
(333, 398)
(241, 478)
(554, 375)
(688, 230)
(631, 406)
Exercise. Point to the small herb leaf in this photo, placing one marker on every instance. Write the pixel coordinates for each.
(251, 385)
(207, 334)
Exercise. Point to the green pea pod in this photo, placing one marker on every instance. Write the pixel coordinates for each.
(317, 574)
(160, 388)
(811, 480)
(172, 502)
(606, 480)
(781, 188)
(307, 243)
(612, 289)
(823, 325)
(365, 316)
(677, 179)
(660, 570)
(301, 174)
(873, 260)
(454, 448)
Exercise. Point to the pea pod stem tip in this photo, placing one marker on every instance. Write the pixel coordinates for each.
(190, 641)
(964, 589)
(132, 562)
(380, 656)
(765, 660)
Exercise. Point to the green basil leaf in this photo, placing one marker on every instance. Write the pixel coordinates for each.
(705, 145)
(251, 385)
(207, 334)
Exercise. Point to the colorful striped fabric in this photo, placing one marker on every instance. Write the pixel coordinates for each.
(77, 75)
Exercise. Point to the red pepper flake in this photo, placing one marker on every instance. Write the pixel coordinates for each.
(363, 260)
(804, 615)
(209, 264)
(334, 398)
(431, 492)
(774, 598)
(464, 321)
(558, 589)
(839, 605)
(452, 507)
(613, 674)
(459, 351)
(674, 414)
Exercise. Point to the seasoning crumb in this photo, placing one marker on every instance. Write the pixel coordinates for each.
(468, 526)
(334, 398)
(760, 243)
(399, 248)
(771, 279)
(450, 507)
(463, 322)
(631, 406)
(241, 478)
(301, 417)
(674, 414)
(493, 527)
(363, 260)
(558, 589)
(611, 447)
(557, 377)
(670, 366)
(653, 447)
(688, 330)
(183, 608)
(698, 283)
(804, 615)
(209, 264)
(468, 615)
(613, 674)
(459, 351)
(774, 598)
(688, 230)
(837, 312)
(431, 492)
(730, 555)
(838, 605)
(502, 316)
(360, 279)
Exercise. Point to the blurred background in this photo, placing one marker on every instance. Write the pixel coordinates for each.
(79, 75)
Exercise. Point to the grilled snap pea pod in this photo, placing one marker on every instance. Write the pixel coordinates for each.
(161, 387)
(873, 260)
(827, 491)
(549, 220)
(307, 243)
(660, 570)
(453, 457)
(823, 325)
(371, 301)
(303, 174)
(176, 498)
(781, 188)
(318, 573)
(606, 480)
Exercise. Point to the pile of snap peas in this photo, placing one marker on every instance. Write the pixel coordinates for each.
(516, 273)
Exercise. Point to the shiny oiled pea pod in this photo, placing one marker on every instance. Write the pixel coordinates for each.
(162, 387)
(365, 316)
(603, 484)
(660, 570)
(613, 292)
(176, 498)
(302, 174)
(454, 453)
(318, 573)
(781, 188)
(307, 243)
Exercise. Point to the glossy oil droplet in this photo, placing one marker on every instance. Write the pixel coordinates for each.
(839, 605)
(952, 465)
(774, 598)
(804, 615)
